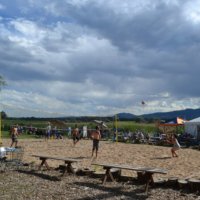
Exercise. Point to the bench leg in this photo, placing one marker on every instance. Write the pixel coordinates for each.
(68, 169)
(108, 174)
(149, 180)
(44, 162)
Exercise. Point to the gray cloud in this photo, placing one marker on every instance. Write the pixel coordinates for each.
(101, 56)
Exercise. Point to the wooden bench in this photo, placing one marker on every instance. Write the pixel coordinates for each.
(67, 161)
(147, 172)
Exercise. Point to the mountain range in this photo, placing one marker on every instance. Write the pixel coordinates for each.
(186, 114)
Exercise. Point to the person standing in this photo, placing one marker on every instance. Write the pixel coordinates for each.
(75, 135)
(96, 136)
(176, 145)
(14, 135)
(48, 131)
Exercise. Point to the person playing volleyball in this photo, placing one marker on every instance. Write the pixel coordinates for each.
(176, 145)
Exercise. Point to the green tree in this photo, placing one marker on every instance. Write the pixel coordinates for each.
(3, 115)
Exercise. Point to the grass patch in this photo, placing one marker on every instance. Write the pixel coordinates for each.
(6, 135)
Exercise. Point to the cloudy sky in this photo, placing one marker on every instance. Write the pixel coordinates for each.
(99, 57)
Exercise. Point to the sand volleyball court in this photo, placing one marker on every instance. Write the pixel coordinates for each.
(187, 165)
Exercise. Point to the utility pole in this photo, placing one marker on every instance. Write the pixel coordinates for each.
(0, 131)
(2, 83)
(116, 127)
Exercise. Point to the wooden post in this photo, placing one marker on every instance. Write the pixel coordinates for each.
(116, 127)
(172, 182)
(182, 184)
(194, 184)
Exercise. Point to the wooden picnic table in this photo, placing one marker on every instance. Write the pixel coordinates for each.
(67, 161)
(147, 172)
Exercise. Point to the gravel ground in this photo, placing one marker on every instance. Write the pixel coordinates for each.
(27, 183)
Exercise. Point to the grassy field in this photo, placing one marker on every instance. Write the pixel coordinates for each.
(133, 126)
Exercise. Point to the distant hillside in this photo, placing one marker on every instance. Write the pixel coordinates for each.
(187, 114)
(126, 116)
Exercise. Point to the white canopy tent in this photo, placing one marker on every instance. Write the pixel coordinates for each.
(193, 127)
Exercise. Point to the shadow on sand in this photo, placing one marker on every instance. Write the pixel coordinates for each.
(40, 175)
(161, 158)
(113, 192)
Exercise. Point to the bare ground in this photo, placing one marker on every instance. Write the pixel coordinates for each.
(26, 182)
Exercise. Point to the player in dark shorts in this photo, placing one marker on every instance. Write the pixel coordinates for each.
(96, 136)
(75, 135)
